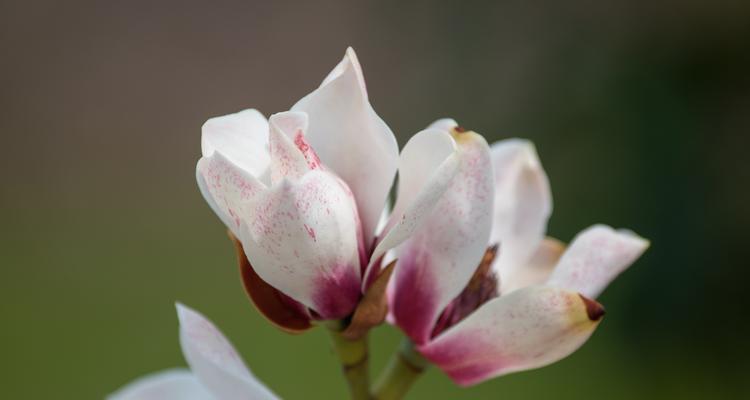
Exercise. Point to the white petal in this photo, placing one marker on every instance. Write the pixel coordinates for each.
(242, 138)
(214, 361)
(437, 261)
(301, 238)
(227, 188)
(595, 257)
(427, 165)
(526, 329)
(523, 204)
(176, 384)
(351, 139)
(537, 270)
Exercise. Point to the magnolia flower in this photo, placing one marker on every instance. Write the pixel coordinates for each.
(216, 370)
(529, 303)
(304, 191)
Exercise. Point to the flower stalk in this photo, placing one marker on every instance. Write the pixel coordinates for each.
(353, 356)
(402, 370)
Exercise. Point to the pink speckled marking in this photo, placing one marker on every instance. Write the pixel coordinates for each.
(223, 177)
(310, 232)
(414, 299)
(337, 293)
(310, 156)
(229, 186)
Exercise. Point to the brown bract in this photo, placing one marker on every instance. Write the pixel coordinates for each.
(373, 307)
(278, 308)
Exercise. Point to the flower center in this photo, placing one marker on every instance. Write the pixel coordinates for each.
(482, 287)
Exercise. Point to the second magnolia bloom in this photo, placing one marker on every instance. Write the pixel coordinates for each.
(479, 312)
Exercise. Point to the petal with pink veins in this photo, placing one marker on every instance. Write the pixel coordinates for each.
(595, 257)
(529, 328)
(214, 361)
(176, 384)
(351, 139)
(301, 238)
(523, 204)
(291, 156)
(437, 261)
(227, 188)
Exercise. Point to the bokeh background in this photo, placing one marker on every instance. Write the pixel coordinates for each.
(640, 111)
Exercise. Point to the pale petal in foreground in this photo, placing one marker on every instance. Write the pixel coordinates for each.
(176, 384)
(215, 362)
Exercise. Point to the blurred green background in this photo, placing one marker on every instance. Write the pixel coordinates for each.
(640, 111)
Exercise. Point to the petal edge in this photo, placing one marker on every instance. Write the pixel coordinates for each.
(595, 257)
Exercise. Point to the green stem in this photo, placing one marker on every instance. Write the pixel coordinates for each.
(403, 369)
(354, 363)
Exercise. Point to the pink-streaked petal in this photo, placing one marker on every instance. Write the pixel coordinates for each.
(427, 165)
(529, 328)
(176, 384)
(242, 138)
(437, 261)
(595, 257)
(291, 156)
(214, 361)
(523, 204)
(537, 270)
(227, 188)
(301, 238)
(351, 139)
